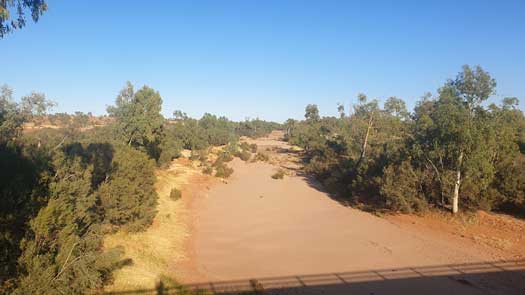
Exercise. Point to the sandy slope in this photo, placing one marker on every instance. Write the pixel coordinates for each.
(256, 227)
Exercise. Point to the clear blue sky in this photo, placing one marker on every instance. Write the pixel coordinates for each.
(264, 59)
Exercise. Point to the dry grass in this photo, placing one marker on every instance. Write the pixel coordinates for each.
(163, 243)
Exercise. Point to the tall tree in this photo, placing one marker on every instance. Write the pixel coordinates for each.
(366, 112)
(11, 118)
(36, 106)
(138, 118)
(63, 250)
(341, 109)
(451, 131)
(311, 113)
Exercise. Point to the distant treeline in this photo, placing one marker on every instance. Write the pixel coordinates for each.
(62, 190)
(452, 151)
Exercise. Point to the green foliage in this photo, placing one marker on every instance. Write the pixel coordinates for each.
(401, 189)
(62, 251)
(311, 113)
(13, 14)
(241, 151)
(175, 194)
(390, 159)
(224, 156)
(244, 146)
(170, 148)
(244, 155)
(263, 157)
(223, 171)
(279, 174)
(255, 128)
(24, 181)
(62, 190)
(207, 170)
(138, 119)
(128, 197)
(188, 133)
(218, 131)
(211, 130)
(11, 117)
(35, 104)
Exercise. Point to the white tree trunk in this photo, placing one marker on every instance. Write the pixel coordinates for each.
(365, 142)
(455, 198)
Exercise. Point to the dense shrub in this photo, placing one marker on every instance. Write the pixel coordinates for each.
(223, 157)
(401, 189)
(207, 170)
(223, 171)
(62, 253)
(175, 194)
(387, 158)
(244, 146)
(263, 157)
(199, 155)
(128, 197)
(62, 190)
(244, 155)
(255, 128)
(279, 174)
(170, 149)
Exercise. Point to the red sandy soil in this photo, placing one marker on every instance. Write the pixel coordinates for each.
(254, 227)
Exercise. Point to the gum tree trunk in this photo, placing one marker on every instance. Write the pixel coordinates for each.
(365, 142)
(455, 198)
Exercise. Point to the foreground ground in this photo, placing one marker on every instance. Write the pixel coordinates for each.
(290, 237)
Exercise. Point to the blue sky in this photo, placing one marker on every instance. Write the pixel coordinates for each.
(264, 59)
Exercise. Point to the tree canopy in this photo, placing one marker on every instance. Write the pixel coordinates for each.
(13, 13)
(453, 151)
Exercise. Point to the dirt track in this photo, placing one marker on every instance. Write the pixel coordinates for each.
(255, 227)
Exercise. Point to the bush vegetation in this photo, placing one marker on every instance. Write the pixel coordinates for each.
(223, 157)
(175, 194)
(62, 190)
(223, 171)
(279, 174)
(244, 155)
(454, 150)
(253, 148)
(207, 170)
(263, 157)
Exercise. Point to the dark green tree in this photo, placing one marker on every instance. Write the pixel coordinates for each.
(127, 196)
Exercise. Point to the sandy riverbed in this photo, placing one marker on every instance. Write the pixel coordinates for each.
(253, 227)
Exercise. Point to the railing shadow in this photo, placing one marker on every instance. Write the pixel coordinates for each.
(497, 277)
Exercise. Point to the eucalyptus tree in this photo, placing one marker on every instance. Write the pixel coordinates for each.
(341, 110)
(450, 130)
(311, 113)
(138, 119)
(13, 13)
(365, 113)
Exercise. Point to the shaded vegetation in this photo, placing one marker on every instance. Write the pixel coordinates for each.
(453, 151)
(63, 189)
(223, 171)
